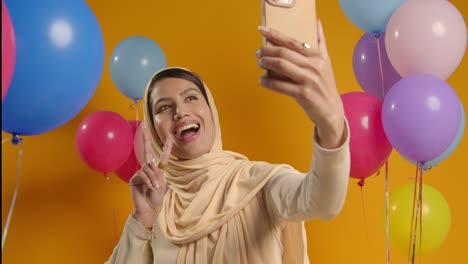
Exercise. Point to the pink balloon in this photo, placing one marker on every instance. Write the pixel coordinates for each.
(369, 145)
(426, 37)
(138, 145)
(131, 166)
(104, 141)
(8, 50)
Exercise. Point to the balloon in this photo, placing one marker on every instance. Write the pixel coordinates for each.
(59, 62)
(366, 66)
(421, 116)
(452, 147)
(370, 15)
(138, 145)
(370, 147)
(104, 141)
(132, 64)
(426, 37)
(435, 218)
(8, 50)
(131, 166)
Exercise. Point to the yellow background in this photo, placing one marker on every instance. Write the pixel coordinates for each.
(64, 209)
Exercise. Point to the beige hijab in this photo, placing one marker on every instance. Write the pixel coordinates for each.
(202, 208)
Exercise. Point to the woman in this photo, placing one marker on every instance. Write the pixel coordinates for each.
(221, 207)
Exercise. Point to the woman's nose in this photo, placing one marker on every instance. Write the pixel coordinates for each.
(179, 113)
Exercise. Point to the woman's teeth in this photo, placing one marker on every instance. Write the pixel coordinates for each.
(186, 127)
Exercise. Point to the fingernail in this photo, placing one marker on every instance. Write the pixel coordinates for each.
(154, 162)
(257, 53)
(261, 80)
(263, 29)
(260, 62)
(157, 184)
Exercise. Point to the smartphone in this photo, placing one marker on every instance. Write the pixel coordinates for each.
(295, 18)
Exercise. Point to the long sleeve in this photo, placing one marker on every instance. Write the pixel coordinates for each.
(134, 245)
(291, 195)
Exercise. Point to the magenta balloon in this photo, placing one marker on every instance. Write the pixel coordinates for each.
(421, 115)
(369, 145)
(8, 50)
(104, 140)
(366, 66)
(426, 37)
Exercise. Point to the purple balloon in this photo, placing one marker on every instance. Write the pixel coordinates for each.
(421, 115)
(366, 66)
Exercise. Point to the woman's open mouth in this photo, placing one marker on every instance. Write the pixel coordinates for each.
(187, 131)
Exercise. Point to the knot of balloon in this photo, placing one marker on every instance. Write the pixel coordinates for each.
(15, 140)
(361, 182)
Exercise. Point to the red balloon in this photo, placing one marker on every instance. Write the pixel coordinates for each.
(369, 145)
(104, 140)
(8, 50)
(131, 166)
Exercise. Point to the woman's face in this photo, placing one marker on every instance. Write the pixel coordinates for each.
(179, 109)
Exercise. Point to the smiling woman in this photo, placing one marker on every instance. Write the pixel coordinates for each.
(179, 107)
(220, 207)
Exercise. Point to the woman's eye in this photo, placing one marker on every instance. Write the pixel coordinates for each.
(163, 108)
(191, 98)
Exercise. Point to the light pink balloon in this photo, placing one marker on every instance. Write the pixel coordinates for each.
(138, 145)
(426, 37)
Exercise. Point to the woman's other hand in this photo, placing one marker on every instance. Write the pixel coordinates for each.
(147, 186)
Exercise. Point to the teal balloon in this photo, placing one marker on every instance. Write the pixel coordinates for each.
(133, 62)
(452, 147)
(370, 15)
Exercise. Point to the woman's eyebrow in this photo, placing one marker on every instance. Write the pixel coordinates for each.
(188, 90)
(162, 100)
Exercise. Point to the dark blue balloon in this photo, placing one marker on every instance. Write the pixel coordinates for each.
(59, 63)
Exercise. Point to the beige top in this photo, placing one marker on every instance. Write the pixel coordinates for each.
(288, 196)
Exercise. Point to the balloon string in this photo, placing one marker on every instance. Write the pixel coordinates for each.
(420, 210)
(134, 105)
(415, 232)
(418, 213)
(136, 110)
(361, 184)
(380, 67)
(5, 140)
(113, 215)
(15, 193)
(412, 214)
(387, 209)
(115, 226)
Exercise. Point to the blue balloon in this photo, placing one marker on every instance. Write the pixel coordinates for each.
(133, 62)
(453, 145)
(370, 15)
(59, 63)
